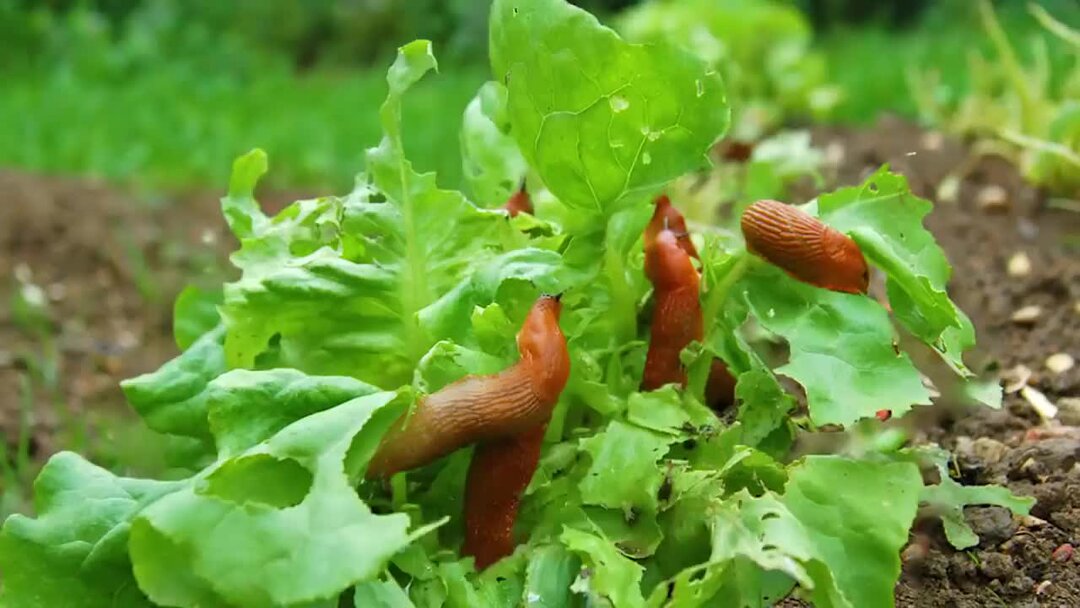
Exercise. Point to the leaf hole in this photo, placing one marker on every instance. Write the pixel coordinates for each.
(262, 478)
(873, 187)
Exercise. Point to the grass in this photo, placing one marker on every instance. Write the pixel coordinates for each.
(162, 132)
(871, 64)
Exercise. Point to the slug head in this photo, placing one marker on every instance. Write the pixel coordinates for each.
(667, 217)
(668, 265)
(848, 271)
(542, 346)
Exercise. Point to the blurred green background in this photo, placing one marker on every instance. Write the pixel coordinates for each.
(163, 94)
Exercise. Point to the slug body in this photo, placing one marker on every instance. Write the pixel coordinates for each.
(677, 316)
(804, 247)
(484, 408)
(519, 202)
(498, 475)
(676, 319)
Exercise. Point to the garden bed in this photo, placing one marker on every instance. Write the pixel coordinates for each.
(109, 267)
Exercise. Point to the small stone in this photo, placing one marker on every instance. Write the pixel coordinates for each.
(1039, 402)
(996, 565)
(1042, 587)
(56, 291)
(1069, 411)
(992, 199)
(988, 450)
(1027, 315)
(1030, 521)
(932, 141)
(1016, 378)
(1019, 265)
(994, 525)
(1059, 363)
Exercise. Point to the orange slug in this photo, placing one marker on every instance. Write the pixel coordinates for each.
(498, 475)
(484, 408)
(804, 247)
(676, 319)
(677, 316)
(519, 202)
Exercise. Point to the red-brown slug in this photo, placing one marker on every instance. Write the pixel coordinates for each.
(484, 408)
(519, 202)
(498, 475)
(804, 247)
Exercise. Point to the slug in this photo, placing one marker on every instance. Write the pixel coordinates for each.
(498, 475)
(519, 202)
(484, 408)
(677, 317)
(804, 247)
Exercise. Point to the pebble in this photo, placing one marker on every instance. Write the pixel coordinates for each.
(1039, 402)
(1016, 378)
(1019, 265)
(990, 451)
(1069, 411)
(992, 199)
(932, 140)
(1027, 315)
(1059, 363)
(994, 525)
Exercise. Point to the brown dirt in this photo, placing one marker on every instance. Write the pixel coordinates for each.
(1014, 563)
(111, 264)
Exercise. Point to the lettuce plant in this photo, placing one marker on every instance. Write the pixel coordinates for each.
(347, 307)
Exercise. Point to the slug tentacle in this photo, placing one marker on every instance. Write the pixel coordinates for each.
(804, 247)
(483, 408)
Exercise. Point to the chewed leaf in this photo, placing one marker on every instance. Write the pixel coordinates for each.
(885, 219)
(226, 539)
(623, 474)
(837, 529)
(949, 498)
(490, 159)
(596, 117)
(841, 348)
(609, 576)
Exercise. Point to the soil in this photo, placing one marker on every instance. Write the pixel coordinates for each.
(109, 265)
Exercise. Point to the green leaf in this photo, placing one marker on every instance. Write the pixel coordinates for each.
(222, 539)
(596, 117)
(173, 399)
(764, 405)
(885, 219)
(381, 593)
(549, 574)
(842, 348)
(364, 285)
(194, 314)
(447, 362)
(609, 574)
(623, 474)
(240, 208)
(491, 163)
(661, 410)
(247, 407)
(948, 499)
(75, 552)
(837, 530)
